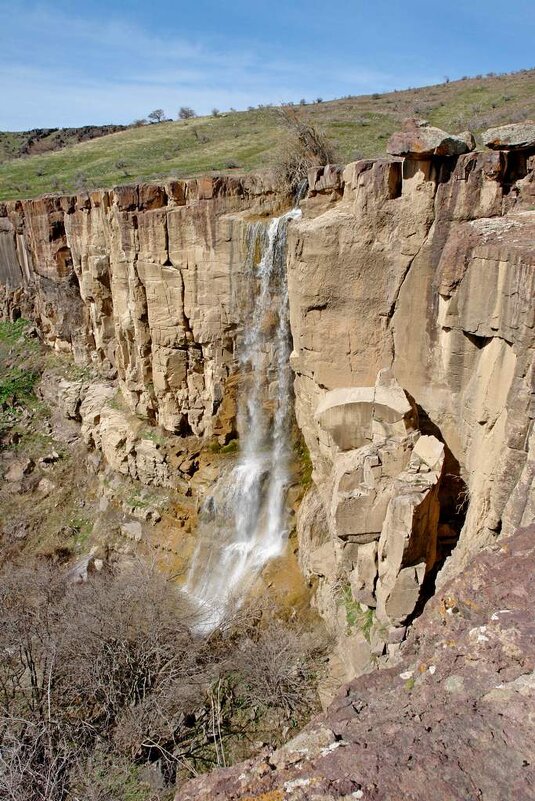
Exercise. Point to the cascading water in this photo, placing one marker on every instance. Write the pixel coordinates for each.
(243, 522)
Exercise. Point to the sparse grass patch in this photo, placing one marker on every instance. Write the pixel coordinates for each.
(154, 435)
(303, 460)
(356, 615)
(231, 447)
(248, 138)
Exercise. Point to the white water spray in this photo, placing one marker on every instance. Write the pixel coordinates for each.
(242, 524)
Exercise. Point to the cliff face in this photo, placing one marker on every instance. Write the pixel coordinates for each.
(143, 281)
(426, 269)
(411, 285)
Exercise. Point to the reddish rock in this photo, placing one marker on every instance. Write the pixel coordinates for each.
(453, 722)
(151, 196)
(126, 197)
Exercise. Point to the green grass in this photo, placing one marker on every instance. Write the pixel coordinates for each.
(247, 141)
(16, 386)
(18, 375)
(302, 459)
(231, 447)
(10, 333)
(356, 616)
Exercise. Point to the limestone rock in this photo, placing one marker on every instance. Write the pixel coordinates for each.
(517, 136)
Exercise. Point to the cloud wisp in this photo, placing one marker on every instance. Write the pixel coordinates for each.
(115, 71)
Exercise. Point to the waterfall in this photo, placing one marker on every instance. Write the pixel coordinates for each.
(242, 524)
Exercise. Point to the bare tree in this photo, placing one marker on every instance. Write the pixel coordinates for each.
(158, 115)
(186, 113)
(304, 147)
(109, 673)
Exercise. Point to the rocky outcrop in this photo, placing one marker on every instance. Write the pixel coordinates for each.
(420, 140)
(518, 136)
(453, 720)
(426, 268)
(142, 281)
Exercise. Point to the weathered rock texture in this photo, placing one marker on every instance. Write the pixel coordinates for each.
(411, 286)
(142, 280)
(425, 267)
(452, 722)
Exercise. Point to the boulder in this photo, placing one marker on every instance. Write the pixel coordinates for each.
(355, 416)
(419, 140)
(18, 469)
(517, 136)
(132, 530)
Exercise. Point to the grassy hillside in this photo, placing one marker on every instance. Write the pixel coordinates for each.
(248, 140)
(14, 144)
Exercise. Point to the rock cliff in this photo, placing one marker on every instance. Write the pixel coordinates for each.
(143, 281)
(415, 276)
(411, 285)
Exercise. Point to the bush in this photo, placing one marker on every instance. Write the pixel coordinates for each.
(109, 673)
(304, 147)
(186, 113)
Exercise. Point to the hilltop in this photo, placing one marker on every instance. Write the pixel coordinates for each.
(16, 144)
(359, 126)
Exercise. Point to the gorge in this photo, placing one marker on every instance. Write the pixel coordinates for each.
(398, 302)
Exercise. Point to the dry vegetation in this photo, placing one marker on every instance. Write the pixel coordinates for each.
(303, 147)
(358, 126)
(105, 693)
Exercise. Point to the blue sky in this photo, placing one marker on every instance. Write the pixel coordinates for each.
(66, 63)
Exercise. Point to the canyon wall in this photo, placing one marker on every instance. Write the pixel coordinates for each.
(411, 286)
(143, 281)
(422, 269)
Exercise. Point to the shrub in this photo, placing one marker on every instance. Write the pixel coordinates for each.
(103, 677)
(186, 113)
(304, 147)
